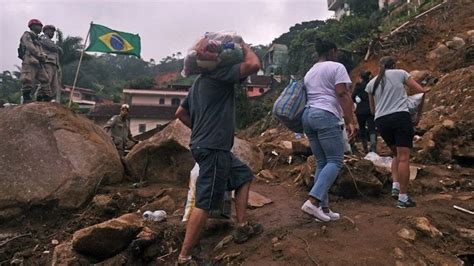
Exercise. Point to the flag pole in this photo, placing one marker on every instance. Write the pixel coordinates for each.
(79, 66)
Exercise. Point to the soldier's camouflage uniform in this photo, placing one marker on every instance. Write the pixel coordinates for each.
(120, 132)
(32, 69)
(51, 65)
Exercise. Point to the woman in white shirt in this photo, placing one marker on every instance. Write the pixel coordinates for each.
(328, 103)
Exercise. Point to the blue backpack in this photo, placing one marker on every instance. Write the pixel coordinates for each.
(289, 107)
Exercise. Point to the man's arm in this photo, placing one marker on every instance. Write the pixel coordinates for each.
(28, 42)
(183, 115)
(110, 123)
(48, 44)
(251, 62)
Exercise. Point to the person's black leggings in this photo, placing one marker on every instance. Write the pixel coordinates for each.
(365, 121)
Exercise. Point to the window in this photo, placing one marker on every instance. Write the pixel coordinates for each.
(162, 100)
(261, 90)
(175, 101)
(141, 128)
(250, 89)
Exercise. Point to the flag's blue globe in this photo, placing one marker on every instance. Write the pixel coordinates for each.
(116, 42)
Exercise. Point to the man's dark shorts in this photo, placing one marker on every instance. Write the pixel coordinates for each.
(219, 171)
(396, 129)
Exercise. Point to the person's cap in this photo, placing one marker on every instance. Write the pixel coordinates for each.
(51, 27)
(34, 21)
(125, 106)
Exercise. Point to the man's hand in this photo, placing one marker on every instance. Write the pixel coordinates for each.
(251, 62)
(351, 131)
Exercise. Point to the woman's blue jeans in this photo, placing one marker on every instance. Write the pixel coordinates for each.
(324, 132)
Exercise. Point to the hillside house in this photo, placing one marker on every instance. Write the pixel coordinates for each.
(340, 7)
(275, 60)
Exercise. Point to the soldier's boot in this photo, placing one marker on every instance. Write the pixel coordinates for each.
(47, 98)
(26, 93)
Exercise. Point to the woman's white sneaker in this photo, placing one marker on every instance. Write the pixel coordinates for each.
(317, 212)
(333, 215)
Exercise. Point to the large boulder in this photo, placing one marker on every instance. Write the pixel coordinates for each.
(166, 156)
(49, 154)
(104, 240)
(356, 178)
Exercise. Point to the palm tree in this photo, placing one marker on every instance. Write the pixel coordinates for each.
(72, 47)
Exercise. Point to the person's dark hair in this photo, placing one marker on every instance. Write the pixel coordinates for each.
(365, 75)
(323, 47)
(386, 62)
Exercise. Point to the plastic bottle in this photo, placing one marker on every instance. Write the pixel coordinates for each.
(156, 216)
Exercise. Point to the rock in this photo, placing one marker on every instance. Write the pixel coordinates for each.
(166, 157)
(143, 240)
(267, 174)
(449, 124)
(249, 154)
(9, 213)
(439, 52)
(423, 225)
(165, 203)
(456, 43)
(420, 75)
(49, 154)
(104, 240)
(102, 200)
(466, 233)
(407, 234)
(256, 200)
(301, 147)
(398, 253)
(361, 172)
(64, 255)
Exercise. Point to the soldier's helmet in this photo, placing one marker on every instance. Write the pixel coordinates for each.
(51, 27)
(34, 21)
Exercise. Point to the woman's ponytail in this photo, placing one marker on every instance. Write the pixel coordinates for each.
(386, 62)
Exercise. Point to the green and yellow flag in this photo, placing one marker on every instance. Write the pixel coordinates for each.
(105, 40)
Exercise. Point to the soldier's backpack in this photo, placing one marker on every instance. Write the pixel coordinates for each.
(289, 107)
(22, 48)
(21, 51)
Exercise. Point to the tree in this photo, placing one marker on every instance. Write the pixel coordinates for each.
(10, 86)
(72, 48)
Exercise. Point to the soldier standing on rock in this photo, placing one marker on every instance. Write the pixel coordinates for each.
(119, 129)
(53, 52)
(32, 67)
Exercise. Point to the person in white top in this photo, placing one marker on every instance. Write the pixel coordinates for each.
(328, 103)
(389, 103)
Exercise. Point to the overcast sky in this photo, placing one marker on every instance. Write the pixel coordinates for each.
(165, 26)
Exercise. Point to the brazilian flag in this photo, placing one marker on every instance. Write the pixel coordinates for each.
(105, 40)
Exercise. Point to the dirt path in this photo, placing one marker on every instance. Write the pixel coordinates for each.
(366, 235)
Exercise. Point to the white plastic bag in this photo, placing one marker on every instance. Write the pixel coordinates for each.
(224, 212)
